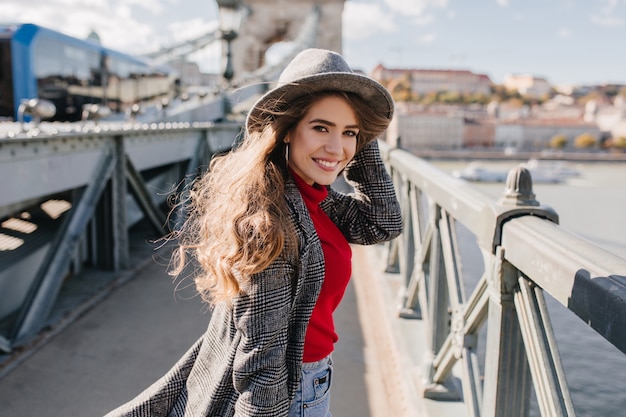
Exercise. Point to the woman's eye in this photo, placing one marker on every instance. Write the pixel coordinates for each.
(320, 128)
(350, 133)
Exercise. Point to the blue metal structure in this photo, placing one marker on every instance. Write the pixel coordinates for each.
(71, 73)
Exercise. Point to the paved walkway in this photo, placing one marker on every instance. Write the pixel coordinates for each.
(133, 336)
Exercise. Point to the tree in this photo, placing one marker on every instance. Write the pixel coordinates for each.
(558, 141)
(585, 140)
(449, 97)
(619, 142)
(400, 88)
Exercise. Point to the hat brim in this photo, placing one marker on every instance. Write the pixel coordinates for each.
(274, 100)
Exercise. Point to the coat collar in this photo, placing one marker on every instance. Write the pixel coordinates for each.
(299, 213)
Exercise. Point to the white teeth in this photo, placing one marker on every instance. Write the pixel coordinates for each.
(326, 163)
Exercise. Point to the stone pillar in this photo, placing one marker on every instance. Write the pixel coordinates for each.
(273, 21)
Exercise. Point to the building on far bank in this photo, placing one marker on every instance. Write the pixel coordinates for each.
(479, 132)
(512, 124)
(526, 134)
(414, 128)
(527, 85)
(424, 81)
(452, 127)
(609, 117)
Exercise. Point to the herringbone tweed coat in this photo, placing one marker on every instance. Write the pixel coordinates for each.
(249, 360)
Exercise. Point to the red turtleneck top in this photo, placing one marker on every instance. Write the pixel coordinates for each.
(320, 336)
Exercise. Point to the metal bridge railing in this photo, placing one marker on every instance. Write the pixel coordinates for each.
(524, 253)
(108, 181)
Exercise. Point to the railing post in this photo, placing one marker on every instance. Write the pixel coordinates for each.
(407, 255)
(396, 255)
(519, 200)
(439, 314)
(111, 234)
(507, 386)
(121, 251)
(508, 383)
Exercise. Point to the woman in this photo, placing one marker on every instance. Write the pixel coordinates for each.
(272, 238)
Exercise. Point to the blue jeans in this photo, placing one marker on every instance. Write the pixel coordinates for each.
(313, 394)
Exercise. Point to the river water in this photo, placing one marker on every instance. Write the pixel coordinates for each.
(592, 205)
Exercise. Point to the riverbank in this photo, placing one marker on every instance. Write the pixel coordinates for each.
(500, 154)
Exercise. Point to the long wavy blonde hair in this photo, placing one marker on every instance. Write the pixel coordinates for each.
(236, 212)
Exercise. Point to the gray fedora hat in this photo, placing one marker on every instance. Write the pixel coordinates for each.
(315, 70)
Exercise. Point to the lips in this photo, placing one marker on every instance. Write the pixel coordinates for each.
(327, 164)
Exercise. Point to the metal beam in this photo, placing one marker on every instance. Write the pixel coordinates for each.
(47, 284)
(545, 365)
(142, 196)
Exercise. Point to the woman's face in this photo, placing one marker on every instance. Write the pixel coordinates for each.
(324, 141)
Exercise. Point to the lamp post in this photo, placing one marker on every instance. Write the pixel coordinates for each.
(231, 14)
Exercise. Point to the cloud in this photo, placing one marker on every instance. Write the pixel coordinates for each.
(564, 33)
(414, 8)
(125, 25)
(364, 20)
(426, 38)
(502, 3)
(132, 26)
(607, 15)
(110, 19)
(424, 20)
(609, 5)
(607, 21)
(185, 30)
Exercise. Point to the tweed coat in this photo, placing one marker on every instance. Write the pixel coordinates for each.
(249, 360)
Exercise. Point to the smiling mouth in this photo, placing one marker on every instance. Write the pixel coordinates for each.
(328, 164)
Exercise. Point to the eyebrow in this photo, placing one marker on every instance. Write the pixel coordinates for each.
(326, 122)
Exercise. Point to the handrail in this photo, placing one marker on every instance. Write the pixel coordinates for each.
(586, 279)
(525, 252)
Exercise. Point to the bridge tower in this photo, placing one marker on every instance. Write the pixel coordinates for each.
(272, 21)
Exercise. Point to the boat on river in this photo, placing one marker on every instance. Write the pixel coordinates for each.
(540, 171)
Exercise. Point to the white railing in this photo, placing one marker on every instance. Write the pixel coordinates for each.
(525, 252)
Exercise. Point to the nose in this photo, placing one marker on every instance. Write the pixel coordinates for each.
(334, 144)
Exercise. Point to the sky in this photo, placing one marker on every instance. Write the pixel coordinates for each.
(563, 41)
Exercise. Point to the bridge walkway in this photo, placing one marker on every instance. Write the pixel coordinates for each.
(135, 328)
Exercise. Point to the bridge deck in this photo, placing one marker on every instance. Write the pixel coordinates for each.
(136, 332)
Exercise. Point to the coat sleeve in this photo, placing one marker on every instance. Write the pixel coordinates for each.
(371, 212)
(261, 317)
